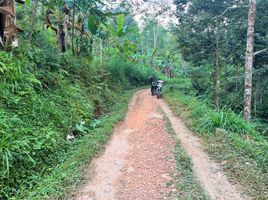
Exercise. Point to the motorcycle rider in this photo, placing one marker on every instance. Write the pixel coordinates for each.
(154, 83)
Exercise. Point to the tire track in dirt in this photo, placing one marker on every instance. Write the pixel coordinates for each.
(209, 173)
(138, 160)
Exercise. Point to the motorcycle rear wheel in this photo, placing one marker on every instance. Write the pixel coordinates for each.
(158, 94)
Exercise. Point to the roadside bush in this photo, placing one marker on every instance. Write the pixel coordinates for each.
(204, 120)
(181, 84)
(34, 123)
(43, 97)
(128, 75)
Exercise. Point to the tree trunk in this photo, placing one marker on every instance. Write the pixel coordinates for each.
(8, 27)
(217, 77)
(43, 15)
(249, 60)
(255, 103)
(261, 95)
(63, 32)
(73, 23)
(34, 18)
(101, 50)
(155, 36)
(91, 41)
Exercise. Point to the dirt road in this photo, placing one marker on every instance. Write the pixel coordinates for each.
(138, 161)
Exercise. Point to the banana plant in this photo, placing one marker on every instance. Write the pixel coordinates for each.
(120, 30)
(123, 46)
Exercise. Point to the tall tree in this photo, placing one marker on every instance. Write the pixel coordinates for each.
(34, 18)
(249, 60)
(8, 27)
(73, 23)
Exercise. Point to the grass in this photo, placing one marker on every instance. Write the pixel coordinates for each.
(66, 177)
(45, 96)
(241, 151)
(186, 184)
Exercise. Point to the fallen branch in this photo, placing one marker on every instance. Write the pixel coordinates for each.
(261, 51)
(229, 8)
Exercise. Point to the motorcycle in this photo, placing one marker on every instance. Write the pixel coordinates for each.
(156, 88)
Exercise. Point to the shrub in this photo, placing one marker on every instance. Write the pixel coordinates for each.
(241, 135)
(43, 97)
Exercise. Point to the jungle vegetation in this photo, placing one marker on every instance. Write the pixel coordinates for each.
(70, 66)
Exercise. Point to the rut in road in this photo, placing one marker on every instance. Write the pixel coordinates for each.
(138, 160)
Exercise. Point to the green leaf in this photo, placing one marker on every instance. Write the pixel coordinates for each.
(120, 24)
(28, 2)
(93, 24)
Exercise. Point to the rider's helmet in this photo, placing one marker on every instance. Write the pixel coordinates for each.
(151, 78)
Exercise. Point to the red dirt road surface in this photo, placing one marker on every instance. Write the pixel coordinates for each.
(138, 161)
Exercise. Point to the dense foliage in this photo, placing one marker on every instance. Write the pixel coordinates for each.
(76, 61)
(212, 38)
(43, 100)
(47, 94)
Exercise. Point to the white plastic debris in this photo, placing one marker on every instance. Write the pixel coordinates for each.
(69, 137)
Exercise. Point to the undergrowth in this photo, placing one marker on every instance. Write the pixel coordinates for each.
(65, 178)
(45, 96)
(236, 145)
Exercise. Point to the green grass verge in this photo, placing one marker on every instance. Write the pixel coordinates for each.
(241, 151)
(43, 98)
(186, 183)
(66, 177)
